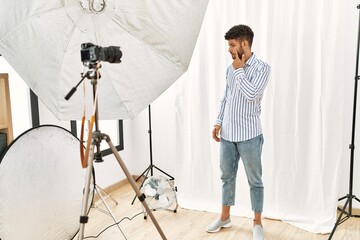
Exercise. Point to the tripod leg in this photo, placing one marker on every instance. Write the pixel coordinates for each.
(343, 198)
(339, 219)
(171, 177)
(146, 171)
(355, 215)
(134, 186)
(83, 217)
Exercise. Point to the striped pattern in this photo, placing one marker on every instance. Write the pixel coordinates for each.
(240, 108)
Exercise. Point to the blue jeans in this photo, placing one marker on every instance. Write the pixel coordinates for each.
(250, 153)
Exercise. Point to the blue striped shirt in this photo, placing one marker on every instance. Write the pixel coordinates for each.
(240, 108)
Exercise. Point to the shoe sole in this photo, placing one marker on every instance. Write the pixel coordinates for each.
(218, 229)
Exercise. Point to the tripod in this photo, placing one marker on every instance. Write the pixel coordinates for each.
(350, 197)
(96, 137)
(151, 167)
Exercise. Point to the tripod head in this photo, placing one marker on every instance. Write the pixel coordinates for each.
(93, 74)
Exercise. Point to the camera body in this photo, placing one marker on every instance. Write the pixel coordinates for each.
(92, 53)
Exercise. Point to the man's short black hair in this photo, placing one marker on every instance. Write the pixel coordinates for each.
(240, 32)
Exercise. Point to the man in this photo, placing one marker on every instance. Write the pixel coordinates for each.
(238, 122)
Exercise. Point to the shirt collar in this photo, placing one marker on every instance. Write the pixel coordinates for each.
(251, 60)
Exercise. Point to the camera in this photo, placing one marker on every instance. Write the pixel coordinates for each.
(93, 53)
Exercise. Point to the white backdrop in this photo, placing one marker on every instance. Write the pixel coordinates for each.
(311, 47)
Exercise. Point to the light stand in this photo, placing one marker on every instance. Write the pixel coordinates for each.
(96, 139)
(350, 197)
(151, 167)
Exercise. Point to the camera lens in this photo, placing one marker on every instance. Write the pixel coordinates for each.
(111, 54)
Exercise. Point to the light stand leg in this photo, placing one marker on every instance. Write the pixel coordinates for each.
(106, 195)
(339, 220)
(134, 186)
(84, 216)
(145, 174)
(109, 211)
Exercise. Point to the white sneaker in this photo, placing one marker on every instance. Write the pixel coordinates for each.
(258, 232)
(218, 224)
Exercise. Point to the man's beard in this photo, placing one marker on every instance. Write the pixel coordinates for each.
(238, 53)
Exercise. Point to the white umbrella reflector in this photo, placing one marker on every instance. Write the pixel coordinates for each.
(41, 40)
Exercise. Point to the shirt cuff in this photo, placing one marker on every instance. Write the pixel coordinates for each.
(218, 122)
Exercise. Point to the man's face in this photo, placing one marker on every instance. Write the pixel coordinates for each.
(235, 45)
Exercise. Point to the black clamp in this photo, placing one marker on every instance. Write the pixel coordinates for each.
(142, 197)
(84, 219)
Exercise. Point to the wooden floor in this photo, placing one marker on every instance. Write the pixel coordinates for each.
(190, 224)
